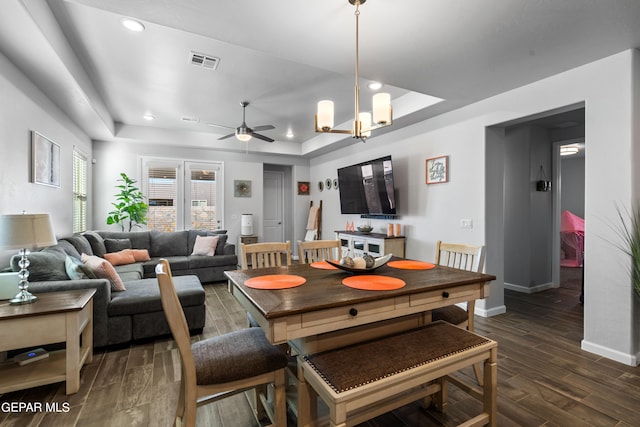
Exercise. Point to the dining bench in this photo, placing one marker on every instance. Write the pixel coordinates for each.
(364, 380)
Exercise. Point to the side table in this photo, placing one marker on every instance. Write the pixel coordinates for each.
(55, 317)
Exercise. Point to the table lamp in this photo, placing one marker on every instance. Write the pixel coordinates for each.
(24, 232)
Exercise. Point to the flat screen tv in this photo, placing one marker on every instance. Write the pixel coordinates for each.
(367, 188)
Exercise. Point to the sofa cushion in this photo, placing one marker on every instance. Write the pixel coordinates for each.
(140, 255)
(75, 268)
(68, 248)
(165, 244)
(205, 245)
(117, 245)
(102, 269)
(177, 263)
(213, 261)
(45, 266)
(79, 242)
(139, 239)
(97, 243)
(143, 296)
(130, 272)
(120, 258)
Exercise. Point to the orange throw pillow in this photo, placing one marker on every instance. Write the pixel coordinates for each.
(120, 258)
(102, 269)
(140, 255)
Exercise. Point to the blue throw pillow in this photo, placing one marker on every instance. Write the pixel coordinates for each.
(75, 268)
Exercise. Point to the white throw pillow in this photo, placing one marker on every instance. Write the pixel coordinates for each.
(205, 245)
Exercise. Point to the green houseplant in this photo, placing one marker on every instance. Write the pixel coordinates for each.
(629, 230)
(130, 207)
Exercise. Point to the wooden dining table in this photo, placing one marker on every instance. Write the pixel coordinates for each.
(323, 313)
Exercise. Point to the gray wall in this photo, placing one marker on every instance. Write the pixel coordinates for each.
(572, 185)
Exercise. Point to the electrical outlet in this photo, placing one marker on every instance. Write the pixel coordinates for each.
(466, 223)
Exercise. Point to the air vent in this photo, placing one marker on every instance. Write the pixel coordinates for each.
(190, 119)
(205, 61)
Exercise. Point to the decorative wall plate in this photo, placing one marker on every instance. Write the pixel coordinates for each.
(327, 183)
(335, 183)
(320, 185)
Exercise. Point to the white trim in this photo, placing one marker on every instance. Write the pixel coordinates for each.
(627, 359)
(530, 290)
(493, 311)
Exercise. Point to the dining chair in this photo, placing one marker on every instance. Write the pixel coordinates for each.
(224, 365)
(263, 255)
(463, 257)
(318, 250)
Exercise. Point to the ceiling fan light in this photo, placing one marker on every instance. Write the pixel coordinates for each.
(381, 108)
(324, 115)
(242, 136)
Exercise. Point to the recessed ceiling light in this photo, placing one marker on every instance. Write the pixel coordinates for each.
(375, 85)
(132, 24)
(148, 117)
(289, 134)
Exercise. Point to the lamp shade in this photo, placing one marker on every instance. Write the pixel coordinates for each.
(325, 115)
(26, 231)
(382, 108)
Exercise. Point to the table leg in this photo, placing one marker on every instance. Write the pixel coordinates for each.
(73, 352)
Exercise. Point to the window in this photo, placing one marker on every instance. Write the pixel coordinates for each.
(80, 185)
(182, 195)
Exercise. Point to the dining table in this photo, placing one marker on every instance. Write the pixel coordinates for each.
(317, 307)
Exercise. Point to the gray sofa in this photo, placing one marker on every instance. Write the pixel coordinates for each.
(135, 313)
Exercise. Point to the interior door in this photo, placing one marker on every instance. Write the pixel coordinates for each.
(273, 227)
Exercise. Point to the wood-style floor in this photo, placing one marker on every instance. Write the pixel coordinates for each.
(544, 378)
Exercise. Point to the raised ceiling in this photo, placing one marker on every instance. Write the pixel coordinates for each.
(285, 55)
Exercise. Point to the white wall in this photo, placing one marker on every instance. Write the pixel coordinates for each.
(112, 158)
(433, 212)
(24, 108)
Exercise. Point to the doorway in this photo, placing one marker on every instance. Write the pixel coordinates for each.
(523, 224)
(278, 215)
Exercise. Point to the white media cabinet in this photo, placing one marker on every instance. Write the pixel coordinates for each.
(356, 243)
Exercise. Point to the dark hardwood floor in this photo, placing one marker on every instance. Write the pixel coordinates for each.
(544, 378)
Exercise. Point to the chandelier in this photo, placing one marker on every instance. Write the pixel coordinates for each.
(363, 122)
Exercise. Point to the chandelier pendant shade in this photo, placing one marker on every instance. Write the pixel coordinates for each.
(363, 122)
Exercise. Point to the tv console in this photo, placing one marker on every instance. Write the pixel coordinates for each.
(375, 244)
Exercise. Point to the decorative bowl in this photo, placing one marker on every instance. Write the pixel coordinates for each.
(365, 228)
(379, 262)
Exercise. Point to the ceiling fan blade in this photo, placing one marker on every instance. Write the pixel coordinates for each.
(220, 126)
(227, 136)
(262, 137)
(264, 127)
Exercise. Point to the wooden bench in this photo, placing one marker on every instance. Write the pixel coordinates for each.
(364, 380)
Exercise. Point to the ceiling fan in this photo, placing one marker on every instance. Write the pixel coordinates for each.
(244, 132)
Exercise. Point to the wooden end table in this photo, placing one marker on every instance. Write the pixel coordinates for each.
(55, 317)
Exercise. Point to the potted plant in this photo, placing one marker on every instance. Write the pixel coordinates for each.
(130, 207)
(629, 230)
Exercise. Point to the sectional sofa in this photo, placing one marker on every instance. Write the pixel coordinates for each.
(135, 313)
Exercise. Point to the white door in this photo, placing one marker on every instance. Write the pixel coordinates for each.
(273, 227)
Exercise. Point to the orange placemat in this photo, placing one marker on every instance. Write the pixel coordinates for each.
(373, 282)
(323, 265)
(275, 281)
(407, 264)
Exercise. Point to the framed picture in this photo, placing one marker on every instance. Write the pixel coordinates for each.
(303, 188)
(45, 156)
(242, 188)
(438, 170)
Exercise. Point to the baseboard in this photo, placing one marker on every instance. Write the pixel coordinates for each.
(493, 311)
(627, 359)
(529, 290)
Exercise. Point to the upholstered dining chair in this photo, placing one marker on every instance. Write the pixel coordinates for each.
(318, 250)
(224, 365)
(463, 257)
(262, 255)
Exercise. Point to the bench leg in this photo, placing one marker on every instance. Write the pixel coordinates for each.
(441, 397)
(490, 394)
(307, 400)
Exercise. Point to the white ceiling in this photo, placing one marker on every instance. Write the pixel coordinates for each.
(285, 55)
